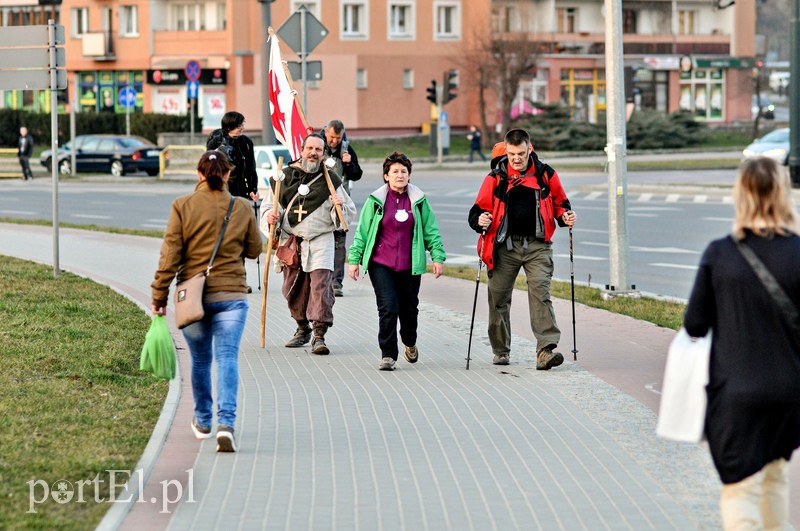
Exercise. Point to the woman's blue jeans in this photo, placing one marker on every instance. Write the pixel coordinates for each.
(216, 336)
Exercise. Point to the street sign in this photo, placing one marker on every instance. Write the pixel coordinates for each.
(31, 79)
(291, 31)
(192, 88)
(29, 35)
(127, 97)
(193, 70)
(25, 57)
(313, 69)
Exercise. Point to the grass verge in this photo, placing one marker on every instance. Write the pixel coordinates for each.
(73, 401)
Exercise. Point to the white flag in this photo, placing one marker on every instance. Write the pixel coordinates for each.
(285, 113)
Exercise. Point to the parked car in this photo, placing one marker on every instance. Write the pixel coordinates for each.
(767, 108)
(266, 162)
(116, 154)
(774, 145)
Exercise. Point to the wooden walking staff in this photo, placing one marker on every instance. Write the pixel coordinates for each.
(278, 180)
(339, 213)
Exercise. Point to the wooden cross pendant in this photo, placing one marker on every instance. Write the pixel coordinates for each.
(299, 211)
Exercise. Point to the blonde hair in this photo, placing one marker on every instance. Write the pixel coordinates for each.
(762, 198)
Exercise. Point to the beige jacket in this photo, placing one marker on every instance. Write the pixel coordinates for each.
(192, 230)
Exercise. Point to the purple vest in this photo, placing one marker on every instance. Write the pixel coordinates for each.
(393, 242)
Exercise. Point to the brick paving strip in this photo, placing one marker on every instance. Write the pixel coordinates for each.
(330, 442)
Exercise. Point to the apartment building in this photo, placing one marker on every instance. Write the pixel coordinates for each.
(693, 55)
(380, 56)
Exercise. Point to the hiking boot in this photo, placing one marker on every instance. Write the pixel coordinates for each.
(201, 432)
(411, 354)
(301, 337)
(500, 359)
(337, 292)
(546, 359)
(318, 345)
(387, 364)
(226, 442)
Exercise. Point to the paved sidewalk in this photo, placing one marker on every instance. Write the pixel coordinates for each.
(330, 442)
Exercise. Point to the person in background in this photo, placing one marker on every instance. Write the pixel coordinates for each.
(306, 210)
(346, 165)
(231, 140)
(474, 138)
(396, 227)
(193, 228)
(753, 412)
(516, 211)
(25, 152)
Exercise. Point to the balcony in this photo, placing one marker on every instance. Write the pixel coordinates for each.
(98, 46)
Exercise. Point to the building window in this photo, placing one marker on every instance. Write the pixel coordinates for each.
(629, 21)
(703, 93)
(361, 78)
(565, 17)
(129, 21)
(686, 22)
(354, 19)
(447, 20)
(222, 16)
(401, 20)
(311, 5)
(188, 17)
(79, 17)
(408, 78)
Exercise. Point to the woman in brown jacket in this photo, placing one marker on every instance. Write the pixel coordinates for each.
(192, 231)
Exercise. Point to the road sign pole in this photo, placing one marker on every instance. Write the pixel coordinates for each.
(303, 54)
(51, 36)
(127, 120)
(191, 120)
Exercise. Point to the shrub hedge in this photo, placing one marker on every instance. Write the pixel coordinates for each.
(147, 125)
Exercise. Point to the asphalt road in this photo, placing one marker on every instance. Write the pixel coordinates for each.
(670, 221)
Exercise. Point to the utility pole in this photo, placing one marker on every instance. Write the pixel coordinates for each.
(267, 134)
(794, 93)
(616, 153)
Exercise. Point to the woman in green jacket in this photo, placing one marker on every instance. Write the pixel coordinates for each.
(396, 227)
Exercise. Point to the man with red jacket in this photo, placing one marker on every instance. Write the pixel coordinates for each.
(516, 212)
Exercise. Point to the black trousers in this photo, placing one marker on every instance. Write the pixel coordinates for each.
(26, 167)
(397, 297)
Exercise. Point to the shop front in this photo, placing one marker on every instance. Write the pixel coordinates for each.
(169, 94)
(98, 91)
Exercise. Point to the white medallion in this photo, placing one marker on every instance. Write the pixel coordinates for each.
(401, 215)
(303, 189)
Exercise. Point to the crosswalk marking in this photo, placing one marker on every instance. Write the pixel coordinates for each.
(673, 266)
(645, 197)
(673, 198)
(700, 198)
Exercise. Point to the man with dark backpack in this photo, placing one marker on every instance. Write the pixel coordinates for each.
(229, 140)
(516, 211)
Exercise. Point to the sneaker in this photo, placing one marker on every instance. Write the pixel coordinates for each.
(411, 353)
(337, 292)
(546, 359)
(500, 359)
(225, 439)
(201, 432)
(318, 346)
(301, 337)
(387, 364)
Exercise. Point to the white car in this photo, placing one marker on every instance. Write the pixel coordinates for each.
(774, 145)
(266, 162)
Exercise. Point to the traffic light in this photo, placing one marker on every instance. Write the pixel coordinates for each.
(449, 86)
(432, 92)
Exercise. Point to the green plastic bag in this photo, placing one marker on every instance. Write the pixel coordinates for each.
(158, 352)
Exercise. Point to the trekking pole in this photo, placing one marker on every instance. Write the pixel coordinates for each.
(258, 258)
(475, 300)
(572, 284)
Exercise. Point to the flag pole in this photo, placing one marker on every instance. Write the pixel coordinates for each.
(270, 245)
(332, 190)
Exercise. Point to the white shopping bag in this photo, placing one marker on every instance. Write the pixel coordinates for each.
(681, 415)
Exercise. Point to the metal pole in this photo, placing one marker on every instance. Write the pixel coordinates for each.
(794, 93)
(439, 109)
(572, 285)
(267, 134)
(303, 54)
(127, 119)
(191, 119)
(72, 110)
(616, 150)
(51, 37)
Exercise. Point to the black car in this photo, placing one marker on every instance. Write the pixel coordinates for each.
(115, 154)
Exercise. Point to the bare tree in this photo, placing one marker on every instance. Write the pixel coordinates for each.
(497, 64)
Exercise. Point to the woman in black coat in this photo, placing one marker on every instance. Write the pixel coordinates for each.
(753, 415)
